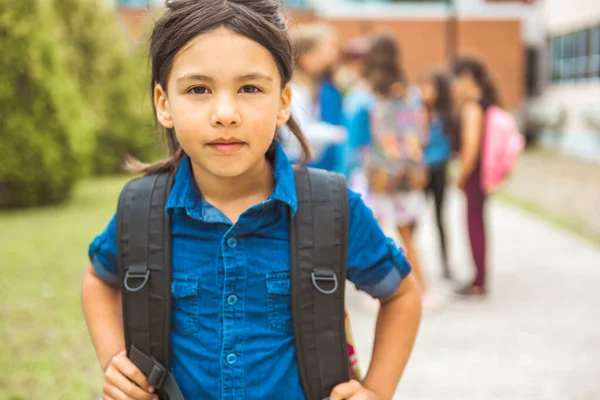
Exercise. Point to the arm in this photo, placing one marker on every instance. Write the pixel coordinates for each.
(396, 330)
(395, 333)
(102, 311)
(471, 133)
(101, 301)
(377, 267)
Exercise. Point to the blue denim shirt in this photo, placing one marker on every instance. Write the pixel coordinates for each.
(231, 327)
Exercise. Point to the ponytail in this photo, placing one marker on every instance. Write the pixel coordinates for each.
(295, 129)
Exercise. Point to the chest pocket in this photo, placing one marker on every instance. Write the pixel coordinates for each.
(185, 291)
(279, 301)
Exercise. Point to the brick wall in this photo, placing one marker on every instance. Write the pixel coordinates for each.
(424, 46)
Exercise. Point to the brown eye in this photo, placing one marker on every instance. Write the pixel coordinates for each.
(249, 89)
(198, 90)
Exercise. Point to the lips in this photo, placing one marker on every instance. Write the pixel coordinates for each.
(226, 145)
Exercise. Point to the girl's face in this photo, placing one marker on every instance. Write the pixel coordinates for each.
(323, 56)
(428, 92)
(224, 100)
(463, 87)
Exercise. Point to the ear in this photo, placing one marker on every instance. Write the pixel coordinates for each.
(285, 105)
(161, 104)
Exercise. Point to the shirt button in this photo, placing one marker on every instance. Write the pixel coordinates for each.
(231, 359)
(232, 243)
(232, 300)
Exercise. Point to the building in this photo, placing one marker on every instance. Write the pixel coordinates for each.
(570, 94)
(501, 32)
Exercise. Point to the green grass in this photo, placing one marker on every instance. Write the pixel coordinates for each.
(569, 223)
(46, 351)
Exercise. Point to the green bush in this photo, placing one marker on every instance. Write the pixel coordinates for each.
(129, 128)
(113, 77)
(44, 126)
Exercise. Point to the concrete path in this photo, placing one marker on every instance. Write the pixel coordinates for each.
(536, 337)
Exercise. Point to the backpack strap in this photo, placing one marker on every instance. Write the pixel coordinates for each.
(144, 260)
(318, 246)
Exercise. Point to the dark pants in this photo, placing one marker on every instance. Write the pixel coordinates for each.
(475, 207)
(437, 188)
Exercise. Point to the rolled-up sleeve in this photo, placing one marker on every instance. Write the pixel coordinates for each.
(103, 254)
(375, 264)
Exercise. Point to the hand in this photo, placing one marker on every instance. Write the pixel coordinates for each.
(352, 390)
(120, 379)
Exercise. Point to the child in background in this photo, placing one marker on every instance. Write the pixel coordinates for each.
(395, 165)
(330, 103)
(357, 103)
(438, 106)
(315, 51)
(474, 91)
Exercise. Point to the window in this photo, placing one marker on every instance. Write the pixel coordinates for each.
(595, 52)
(568, 57)
(555, 58)
(575, 56)
(581, 52)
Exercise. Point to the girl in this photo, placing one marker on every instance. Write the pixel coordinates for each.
(330, 102)
(395, 161)
(220, 80)
(357, 103)
(438, 105)
(474, 92)
(315, 51)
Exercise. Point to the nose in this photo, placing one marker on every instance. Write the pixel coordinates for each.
(225, 113)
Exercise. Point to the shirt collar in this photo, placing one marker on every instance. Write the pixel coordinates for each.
(185, 194)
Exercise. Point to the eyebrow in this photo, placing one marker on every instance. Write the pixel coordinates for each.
(247, 77)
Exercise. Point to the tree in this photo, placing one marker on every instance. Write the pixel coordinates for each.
(113, 77)
(45, 134)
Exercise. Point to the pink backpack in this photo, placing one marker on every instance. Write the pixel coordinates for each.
(502, 145)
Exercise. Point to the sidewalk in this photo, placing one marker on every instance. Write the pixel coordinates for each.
(537, 336)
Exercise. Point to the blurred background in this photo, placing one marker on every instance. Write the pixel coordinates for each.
(74, 101)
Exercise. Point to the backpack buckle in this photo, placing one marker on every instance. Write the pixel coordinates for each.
(157, 375)
(324, 275)
(136, 272)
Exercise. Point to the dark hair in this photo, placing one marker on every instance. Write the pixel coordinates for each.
(489, 94)
(260, 20)
(443, 100)
(382, 66)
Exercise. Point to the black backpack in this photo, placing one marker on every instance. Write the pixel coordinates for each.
(318, 247)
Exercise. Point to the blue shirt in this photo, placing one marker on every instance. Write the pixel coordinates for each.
(330, 105)
(438, 149)
(231, 327)
(357, 105)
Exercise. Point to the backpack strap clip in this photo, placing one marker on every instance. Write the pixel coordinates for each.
(136, 272)
(324, 275)
(157, 374)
